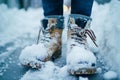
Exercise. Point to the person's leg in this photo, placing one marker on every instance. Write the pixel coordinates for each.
(83, 7)
(52, 7)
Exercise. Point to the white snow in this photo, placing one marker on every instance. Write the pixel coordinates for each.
(83, 78)
(45, 73)
(110, 75)
(16, 23)
(99, 70)
(79, 57)
(48, 72)
(32, 54)
(106, 25)
(17, 27)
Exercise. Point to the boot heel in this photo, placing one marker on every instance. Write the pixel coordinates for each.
(56, 55)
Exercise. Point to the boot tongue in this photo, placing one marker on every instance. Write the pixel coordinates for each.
(44, 23)
(54, 19)
(80, 22)
(76, 28)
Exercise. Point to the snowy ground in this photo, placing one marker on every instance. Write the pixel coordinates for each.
(19, 28)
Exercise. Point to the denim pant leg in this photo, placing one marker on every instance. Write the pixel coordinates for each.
(52, 7)
(83, 7)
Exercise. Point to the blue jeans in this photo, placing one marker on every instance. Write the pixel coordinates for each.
(55, 7)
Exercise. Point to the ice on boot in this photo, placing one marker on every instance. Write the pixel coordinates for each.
(33, 55)
(79, 57)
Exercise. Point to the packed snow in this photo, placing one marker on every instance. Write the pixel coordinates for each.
(79, 57)
(32, 54)
(110, 75)
(19, 25)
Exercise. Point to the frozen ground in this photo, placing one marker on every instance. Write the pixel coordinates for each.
(19, 28)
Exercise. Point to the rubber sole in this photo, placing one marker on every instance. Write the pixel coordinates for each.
(83, 71)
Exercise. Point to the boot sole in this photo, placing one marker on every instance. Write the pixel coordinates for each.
(83, 71)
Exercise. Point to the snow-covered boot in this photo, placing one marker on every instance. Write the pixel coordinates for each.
(80, 60)
(49, 46)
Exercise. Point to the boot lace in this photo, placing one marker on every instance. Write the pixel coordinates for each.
(80, 35)
(45, 37)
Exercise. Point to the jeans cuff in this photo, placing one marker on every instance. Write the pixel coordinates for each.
(79, 16)
(80, 20)
(59, 21)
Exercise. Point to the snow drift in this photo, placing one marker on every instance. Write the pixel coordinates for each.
(106, 25)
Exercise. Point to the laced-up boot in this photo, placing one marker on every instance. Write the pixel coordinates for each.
(80, 59)
(49, 46)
